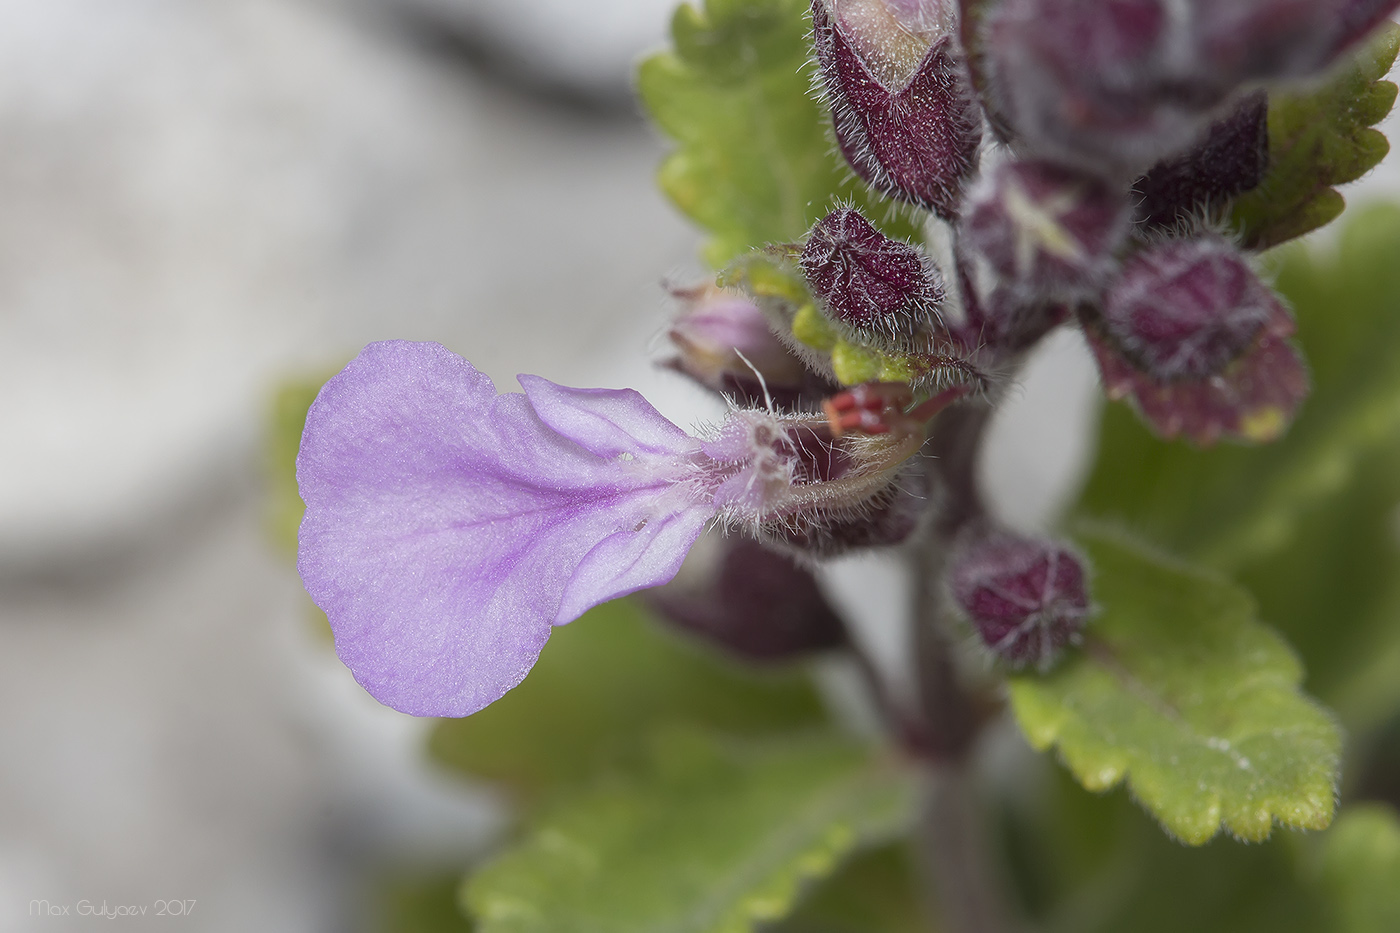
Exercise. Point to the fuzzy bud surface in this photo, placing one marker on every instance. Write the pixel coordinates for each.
(868, 283)
(1230, 160)
(903, 112)
(1200, 343)
(1026, 597)
(1046, 229)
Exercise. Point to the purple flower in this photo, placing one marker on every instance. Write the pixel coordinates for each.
(1272, 39)
(448, 528)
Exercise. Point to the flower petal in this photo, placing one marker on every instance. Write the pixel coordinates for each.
(607, 422)
(447, 528)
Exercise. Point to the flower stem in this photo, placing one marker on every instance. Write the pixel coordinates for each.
(952, 838)
(952, 835)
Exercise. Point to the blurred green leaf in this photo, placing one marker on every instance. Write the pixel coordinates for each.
(755, 163)
(420, 905)
(1233, 504)
(876, 892)
(288, 418)
(1103, 868)
(600, 684)
(1182, 693)
(712, 836)
(1335, 592)
(1320, 137)
(1361, 869)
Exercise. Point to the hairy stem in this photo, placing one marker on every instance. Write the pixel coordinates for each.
(952, 837)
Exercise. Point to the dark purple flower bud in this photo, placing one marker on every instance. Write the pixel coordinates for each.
(1246, 40)
(725, 344)
(1356, 20)
(904, 115)
(1200, 344)
(880, 289)
(1185, 309)
(1110, 84)
(1045, 229)
(756, 603)
(886, 518)
(1230, 161)
(1026, 597)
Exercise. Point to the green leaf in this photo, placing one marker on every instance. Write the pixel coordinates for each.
(1318, 138)
(1180, 691)
(601, 683)
(712, 837)
(1233, 504)
(1102, 868)
(1361, 869)
(420, 905)
(874, 893)
(755, 163)
(1334, 592)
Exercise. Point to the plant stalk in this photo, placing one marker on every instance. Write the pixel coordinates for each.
(952, 832)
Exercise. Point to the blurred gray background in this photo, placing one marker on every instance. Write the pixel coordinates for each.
(198, 200)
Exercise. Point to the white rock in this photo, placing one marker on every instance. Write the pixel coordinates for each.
(200, 198)
(592, 45)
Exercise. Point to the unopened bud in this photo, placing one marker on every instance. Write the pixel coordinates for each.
(1262, 40)
(1026, 597)
(1046, 229)
(1185, 309)
(1110, 84)
(1230, 160)
(904, 115)
(724, 342)
(755, 603)
(886, 518)
(1200, 344)
(880, 289)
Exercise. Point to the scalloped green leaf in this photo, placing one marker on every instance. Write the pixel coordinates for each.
(1181, 693)
(712, 836)
(601, 684)
(1318, 138)
(1232, 504)
(1360, 868)
(755, 163)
